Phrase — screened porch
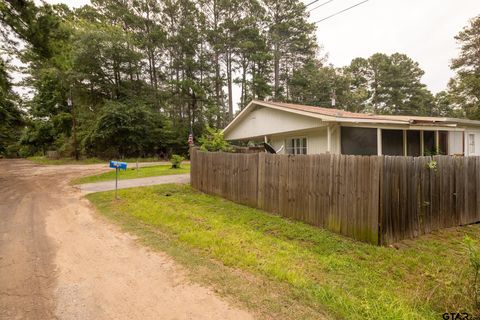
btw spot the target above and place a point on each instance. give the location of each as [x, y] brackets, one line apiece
[397, 142]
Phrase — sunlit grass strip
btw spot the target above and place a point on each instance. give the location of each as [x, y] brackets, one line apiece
[133, 173]
[349, 279]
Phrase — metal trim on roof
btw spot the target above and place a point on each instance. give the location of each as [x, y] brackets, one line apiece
[343, 116]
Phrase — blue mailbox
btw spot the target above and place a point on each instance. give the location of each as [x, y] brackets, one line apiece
[118, 165]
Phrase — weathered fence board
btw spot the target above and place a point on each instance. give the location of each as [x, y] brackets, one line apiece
[379, 200]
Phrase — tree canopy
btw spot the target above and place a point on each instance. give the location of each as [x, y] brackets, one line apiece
[464, 88]
[135, 78]
[11, 119]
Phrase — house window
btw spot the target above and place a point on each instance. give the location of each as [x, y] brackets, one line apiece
[296, 146]
[471, 143]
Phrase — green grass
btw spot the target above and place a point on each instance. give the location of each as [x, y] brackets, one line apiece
[288, 270]
[132, 173]
[46, 161]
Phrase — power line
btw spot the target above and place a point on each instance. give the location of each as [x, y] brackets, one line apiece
[311, 3]
[341, 11]
[320, 5]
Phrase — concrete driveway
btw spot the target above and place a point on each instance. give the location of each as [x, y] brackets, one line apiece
[132, 183]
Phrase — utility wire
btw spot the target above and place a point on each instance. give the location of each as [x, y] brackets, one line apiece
[320, 5]
[341, 11]
[315, 1]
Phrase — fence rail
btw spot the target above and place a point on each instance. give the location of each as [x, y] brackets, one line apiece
[375, 199]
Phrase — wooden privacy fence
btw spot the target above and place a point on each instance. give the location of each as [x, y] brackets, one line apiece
[376, 199]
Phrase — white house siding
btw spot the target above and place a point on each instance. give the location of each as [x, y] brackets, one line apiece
[316, 141]
[277, 142]
[455, 143]
[266, 121]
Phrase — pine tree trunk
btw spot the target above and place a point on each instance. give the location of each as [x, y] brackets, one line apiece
[150, 73]
[244, 82]
[254, 93]
[217, 89]
[229, 84]
[276, 72]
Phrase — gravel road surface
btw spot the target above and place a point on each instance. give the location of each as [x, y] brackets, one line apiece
[59, 260]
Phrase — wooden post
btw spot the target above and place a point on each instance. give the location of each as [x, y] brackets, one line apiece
[379, 141]
[329, 139]
[116, 183]
[261, 181]
[422, 144]
[437, 141]
[405, 145]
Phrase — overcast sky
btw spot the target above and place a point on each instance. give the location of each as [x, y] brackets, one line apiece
[422, 29]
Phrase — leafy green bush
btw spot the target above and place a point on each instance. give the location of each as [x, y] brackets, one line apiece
[12, 151]
[176, 161]
[473, 249]
[122, 130]
[213, 140]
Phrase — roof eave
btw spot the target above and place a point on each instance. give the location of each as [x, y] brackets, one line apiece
[444, 121]
[238, 117]
[246, 110]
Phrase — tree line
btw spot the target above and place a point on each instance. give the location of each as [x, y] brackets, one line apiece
[135, 77]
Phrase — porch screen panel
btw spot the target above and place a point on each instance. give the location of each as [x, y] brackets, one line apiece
[358, 141]
[429, 143]
[392, 142]
[443, 142]
[455, 143]
[413, 143]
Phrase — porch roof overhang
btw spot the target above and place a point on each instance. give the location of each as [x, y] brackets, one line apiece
[342, 117]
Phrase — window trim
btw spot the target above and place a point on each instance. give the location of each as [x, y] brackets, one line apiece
[471, 143]
[295, 150]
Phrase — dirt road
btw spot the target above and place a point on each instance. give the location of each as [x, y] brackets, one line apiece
[58, 260]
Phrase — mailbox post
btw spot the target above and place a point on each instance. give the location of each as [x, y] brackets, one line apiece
[118, 166]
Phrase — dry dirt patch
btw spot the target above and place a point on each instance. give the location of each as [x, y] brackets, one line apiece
[60, 260]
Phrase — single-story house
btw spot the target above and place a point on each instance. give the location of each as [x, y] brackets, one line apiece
[300, 129]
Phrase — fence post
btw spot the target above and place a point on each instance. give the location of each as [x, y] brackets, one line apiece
[191, 150]
[261, 181]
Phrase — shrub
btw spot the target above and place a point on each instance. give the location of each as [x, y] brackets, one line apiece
[213, 141]
[176, 161]
[12, 151]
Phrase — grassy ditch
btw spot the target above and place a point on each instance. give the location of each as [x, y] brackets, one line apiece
[288, 270]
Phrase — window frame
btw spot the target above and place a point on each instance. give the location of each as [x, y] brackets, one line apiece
[471, 143]
[293, 148]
